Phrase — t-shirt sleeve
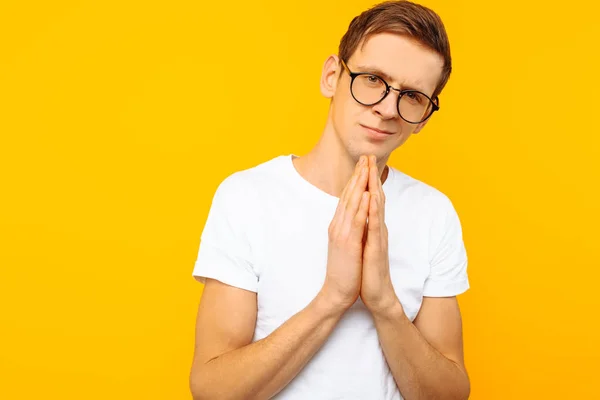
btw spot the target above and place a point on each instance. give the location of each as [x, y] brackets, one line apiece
[448, 257]
[225, 252]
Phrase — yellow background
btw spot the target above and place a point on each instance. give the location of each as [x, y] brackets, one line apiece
[119, 119]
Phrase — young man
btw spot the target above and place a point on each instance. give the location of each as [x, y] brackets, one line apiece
[332, 275]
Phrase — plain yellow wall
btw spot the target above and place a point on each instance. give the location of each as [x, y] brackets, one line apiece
[119, 119]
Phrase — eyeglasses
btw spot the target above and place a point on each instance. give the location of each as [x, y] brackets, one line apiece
[368, 89]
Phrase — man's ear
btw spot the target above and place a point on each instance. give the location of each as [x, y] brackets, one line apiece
[330, 76]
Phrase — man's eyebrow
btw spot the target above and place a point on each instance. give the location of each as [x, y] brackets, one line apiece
[376, 71]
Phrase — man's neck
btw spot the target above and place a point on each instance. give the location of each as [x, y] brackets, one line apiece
[329, 167]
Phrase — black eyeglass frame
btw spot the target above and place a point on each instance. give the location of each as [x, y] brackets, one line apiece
[434, 106]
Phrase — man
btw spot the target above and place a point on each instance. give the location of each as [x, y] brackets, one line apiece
[332, 275]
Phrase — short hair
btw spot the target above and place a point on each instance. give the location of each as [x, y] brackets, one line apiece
[404, 18]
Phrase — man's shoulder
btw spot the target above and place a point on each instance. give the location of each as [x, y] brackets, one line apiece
[417, 190]
[246, 183]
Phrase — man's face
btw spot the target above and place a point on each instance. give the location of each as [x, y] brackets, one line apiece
[403, 64]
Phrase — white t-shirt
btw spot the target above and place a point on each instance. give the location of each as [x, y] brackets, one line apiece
[267, 232]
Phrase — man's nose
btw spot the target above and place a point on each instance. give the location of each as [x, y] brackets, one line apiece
[388, 107]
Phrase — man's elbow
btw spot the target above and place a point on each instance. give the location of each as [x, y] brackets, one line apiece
[464, 390]
[195, 388]
[462, 383]
[196, 385]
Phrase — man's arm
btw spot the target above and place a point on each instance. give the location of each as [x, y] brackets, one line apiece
[227, 365]
[426, 358]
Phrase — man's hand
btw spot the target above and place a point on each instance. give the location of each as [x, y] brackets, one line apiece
[346, 231]
[377, 291]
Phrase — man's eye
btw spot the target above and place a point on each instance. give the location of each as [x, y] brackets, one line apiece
[414, 97]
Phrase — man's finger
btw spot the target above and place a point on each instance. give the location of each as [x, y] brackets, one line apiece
[361, 217]
[351, 183]
[341, 208]
[374, 217]
[373, 185]
[354, 197]
[382, 198]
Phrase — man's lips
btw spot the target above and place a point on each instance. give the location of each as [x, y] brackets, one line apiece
[381, 131]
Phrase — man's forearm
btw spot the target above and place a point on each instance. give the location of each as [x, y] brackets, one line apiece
[420, 371]
[263, 368]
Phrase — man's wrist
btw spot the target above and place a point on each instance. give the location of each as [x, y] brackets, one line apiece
[388, 308]
[331, 305]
